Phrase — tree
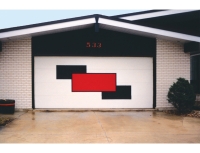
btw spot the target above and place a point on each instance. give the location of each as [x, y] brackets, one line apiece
[181, 95]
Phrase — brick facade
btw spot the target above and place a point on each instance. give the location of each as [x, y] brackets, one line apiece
[171, 64]
[15, 72]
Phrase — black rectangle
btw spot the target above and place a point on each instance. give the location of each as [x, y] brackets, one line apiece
[122, 92]
[66, 71]
[192, 47]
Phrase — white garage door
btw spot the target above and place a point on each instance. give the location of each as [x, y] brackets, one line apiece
[93, 82]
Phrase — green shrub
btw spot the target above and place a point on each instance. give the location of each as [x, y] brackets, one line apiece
[181, 95]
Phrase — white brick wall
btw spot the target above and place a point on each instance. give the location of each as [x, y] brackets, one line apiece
[15, 72]
[172, 63]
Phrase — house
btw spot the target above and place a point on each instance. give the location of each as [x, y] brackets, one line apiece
[100, 62]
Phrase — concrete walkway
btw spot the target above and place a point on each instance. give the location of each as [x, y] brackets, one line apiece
[101, 127]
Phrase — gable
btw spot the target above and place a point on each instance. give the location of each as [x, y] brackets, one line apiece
[87, 42]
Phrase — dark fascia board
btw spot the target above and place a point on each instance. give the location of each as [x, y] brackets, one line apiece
[137, 13]
[191, 47]
[47, 23]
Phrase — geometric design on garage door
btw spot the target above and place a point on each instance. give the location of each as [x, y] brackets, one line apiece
[93, 82]
[122, 92]
[66, 71]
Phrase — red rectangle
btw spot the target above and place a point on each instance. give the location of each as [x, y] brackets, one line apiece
[93, 82]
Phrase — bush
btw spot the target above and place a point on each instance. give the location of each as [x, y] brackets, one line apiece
[181, 95]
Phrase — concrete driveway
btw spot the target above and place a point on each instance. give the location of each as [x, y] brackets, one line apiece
[100, 127]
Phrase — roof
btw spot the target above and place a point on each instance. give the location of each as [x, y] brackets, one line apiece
[116, 23]
[151, 14]
[46, 23]
[136, 13]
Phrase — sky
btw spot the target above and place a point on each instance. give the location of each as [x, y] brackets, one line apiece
[22, 12]
[14, 18]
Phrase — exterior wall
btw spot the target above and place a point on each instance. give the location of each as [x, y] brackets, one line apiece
[15, 72]
[172, 63]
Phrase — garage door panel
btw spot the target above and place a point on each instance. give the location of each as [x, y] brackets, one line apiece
[51, 88]
[113, 63]
[65, 102]
[117, 63]
[129, 75]
[79, 100]
[135, 75]
[44, 62]
[141, 89]
[45, 75]
[136, 72]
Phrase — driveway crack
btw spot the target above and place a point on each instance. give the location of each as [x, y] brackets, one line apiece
[99, 122]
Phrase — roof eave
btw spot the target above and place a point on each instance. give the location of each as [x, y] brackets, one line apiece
[47, 29]
[153, 14]
[145, 31]
[104, 22]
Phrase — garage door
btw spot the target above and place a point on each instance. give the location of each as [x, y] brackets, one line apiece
[93, 82]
